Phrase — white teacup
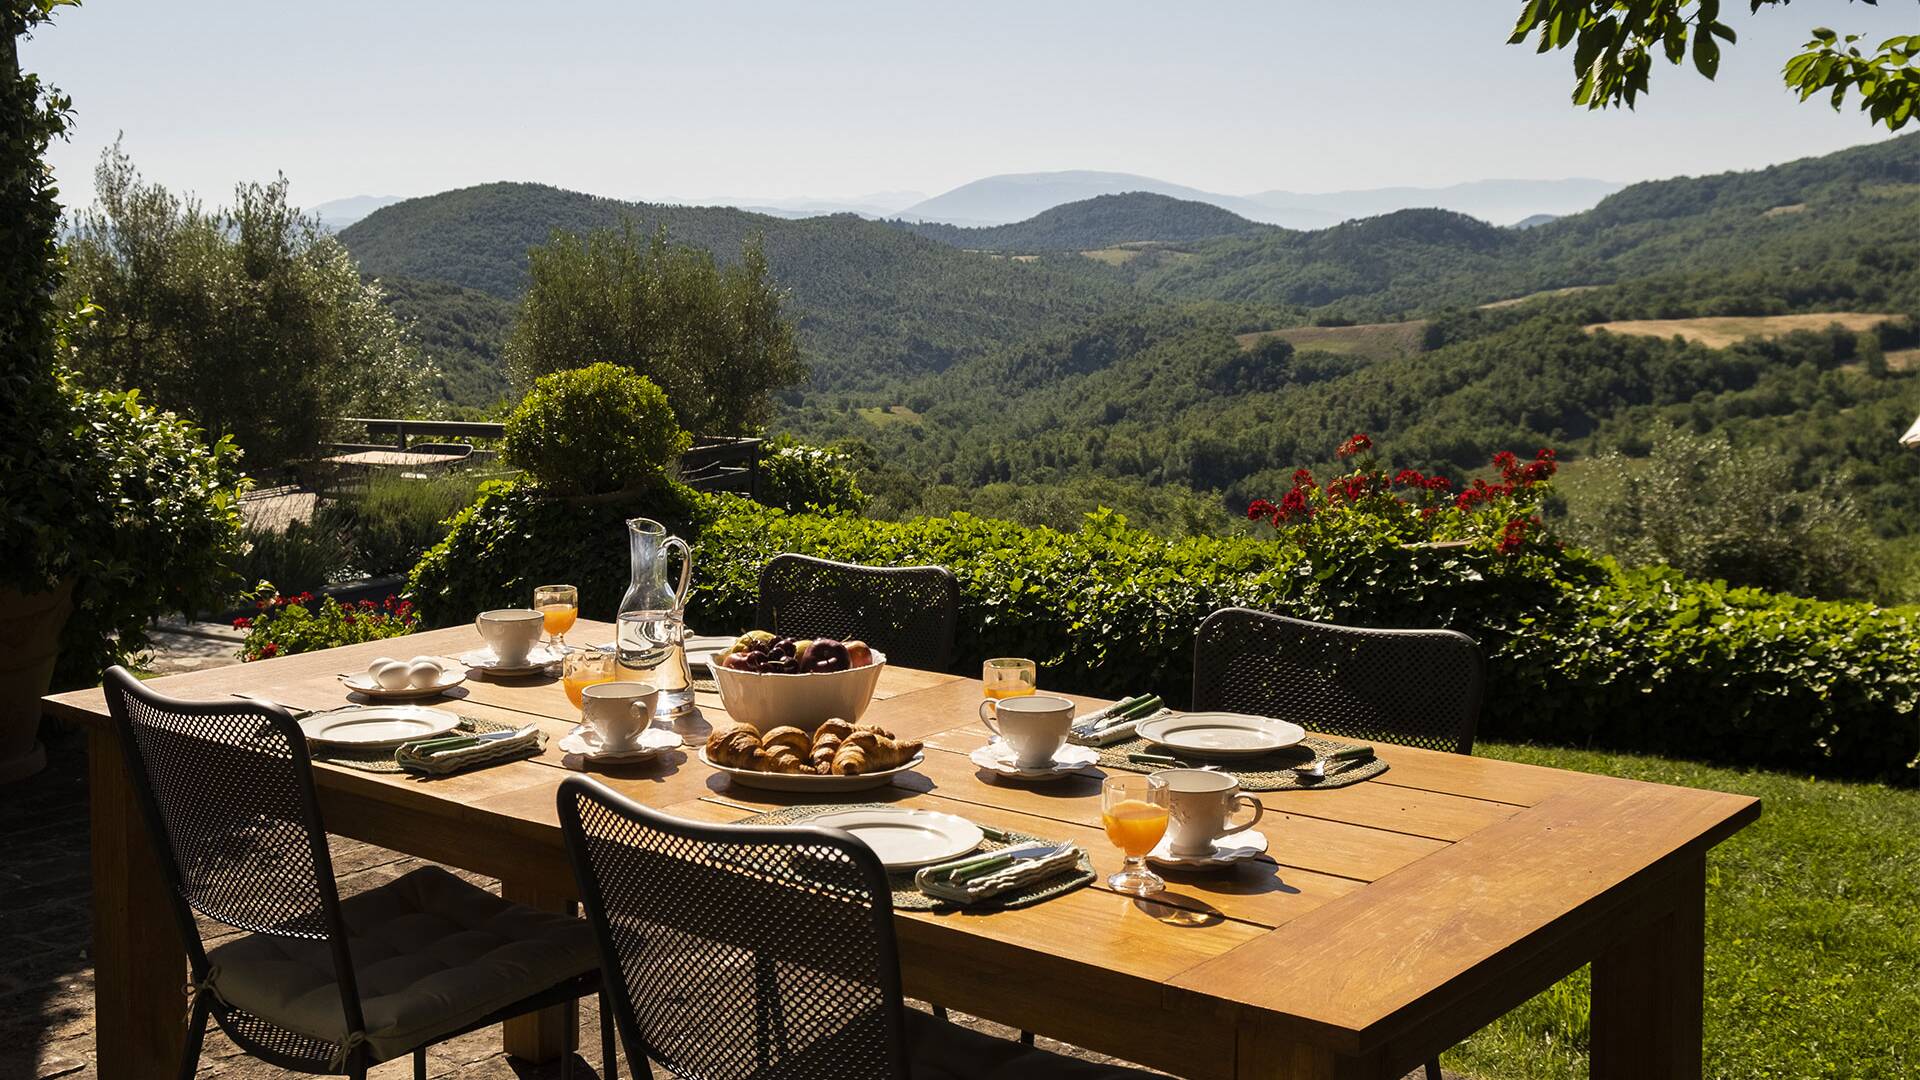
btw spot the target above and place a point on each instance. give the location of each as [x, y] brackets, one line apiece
[1200, 806]
[1035, 726]
[618, 711]
[511, 633]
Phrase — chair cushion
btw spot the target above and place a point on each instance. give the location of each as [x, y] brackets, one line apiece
[942, 1051]
[431, 955]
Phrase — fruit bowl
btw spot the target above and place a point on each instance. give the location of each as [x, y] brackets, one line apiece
[766, 699]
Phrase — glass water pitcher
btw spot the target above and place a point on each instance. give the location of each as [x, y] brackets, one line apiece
[652, 621]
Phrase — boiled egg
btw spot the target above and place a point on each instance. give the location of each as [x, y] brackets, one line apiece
[423, 673]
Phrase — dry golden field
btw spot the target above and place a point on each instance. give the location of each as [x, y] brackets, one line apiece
[1721, 331]
[1377, 341]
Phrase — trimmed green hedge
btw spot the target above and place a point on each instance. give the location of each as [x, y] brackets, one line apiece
[516, 537]
[1579, 651]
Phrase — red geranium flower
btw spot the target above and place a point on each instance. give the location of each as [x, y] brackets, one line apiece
[269, 649]
[242, 623]
[1355, 444]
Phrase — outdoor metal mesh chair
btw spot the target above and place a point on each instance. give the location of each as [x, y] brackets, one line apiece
[1413, 687]
[314, 983]
[907, 612]
[762, 952]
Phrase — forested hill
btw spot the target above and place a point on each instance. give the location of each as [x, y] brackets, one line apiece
[877, 304]
[869, 300]
[1773, 230]
[1104, 221]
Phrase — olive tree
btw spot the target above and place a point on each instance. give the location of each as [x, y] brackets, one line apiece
[712, 336]
[251, 320]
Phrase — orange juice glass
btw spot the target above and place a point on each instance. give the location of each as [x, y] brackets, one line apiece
[1134, 810]
[561, 606]
[1009, 676]
[586, 667]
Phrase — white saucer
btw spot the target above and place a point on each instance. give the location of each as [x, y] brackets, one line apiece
[539, 659]
[585, 743]
[998, 757]
[1227, 850]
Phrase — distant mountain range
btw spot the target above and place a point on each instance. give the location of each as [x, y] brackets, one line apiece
[1002, 200]
[878, 302]
[337, 214]
[1015, 197]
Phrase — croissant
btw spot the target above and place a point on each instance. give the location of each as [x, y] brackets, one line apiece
[875, 728]
[791, 737]
[733, 747]
[835, 727]
[781, 759]
[825, 745]
[867, 751]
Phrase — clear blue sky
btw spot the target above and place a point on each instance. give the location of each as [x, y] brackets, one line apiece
[823, 98]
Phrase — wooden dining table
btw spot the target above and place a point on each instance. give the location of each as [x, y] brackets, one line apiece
[1388, 919]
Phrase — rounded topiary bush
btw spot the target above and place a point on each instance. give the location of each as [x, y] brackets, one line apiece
[593, 431]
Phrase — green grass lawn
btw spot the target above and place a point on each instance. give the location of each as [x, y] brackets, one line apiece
[1813, 935]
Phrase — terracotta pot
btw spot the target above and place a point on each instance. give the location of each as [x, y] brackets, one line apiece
[30, 628]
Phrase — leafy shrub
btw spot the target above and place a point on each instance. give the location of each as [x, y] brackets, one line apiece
[391, 520]
[592, 431]
[794, 476]
[157, 530]
[1578, 649]
[1703, 507]
[302, 556]
[286, 625]
[517, 536]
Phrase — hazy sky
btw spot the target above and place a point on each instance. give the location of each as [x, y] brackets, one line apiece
[711, 99]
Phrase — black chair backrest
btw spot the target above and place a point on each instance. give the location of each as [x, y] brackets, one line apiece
[1414, 687]
[907, 612]
[741, 951]
[226, 789]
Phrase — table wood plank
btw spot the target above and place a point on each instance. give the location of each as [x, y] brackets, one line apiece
[1493, 918]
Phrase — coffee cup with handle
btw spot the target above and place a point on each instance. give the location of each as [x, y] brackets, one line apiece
[1035, 726]
[511, 633]
[618, 711]
[1200, 808]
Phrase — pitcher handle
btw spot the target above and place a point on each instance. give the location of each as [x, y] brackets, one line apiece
[686, 569]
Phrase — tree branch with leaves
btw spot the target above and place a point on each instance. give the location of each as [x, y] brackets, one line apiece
[1614, 43]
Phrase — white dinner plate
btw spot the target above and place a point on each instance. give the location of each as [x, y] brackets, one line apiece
[452, 674]
[906, 839]
[769, 781]
[1221, 734]
[370, 727]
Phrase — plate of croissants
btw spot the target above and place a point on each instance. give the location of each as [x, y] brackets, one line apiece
[838, 756]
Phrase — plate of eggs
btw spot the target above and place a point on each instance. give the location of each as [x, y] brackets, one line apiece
[387, 679]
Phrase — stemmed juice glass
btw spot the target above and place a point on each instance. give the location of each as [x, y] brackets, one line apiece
[1134, 810]
[561, 606]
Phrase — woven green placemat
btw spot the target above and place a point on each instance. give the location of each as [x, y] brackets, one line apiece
[907, 897]
[382, 760]
[1268, 772]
